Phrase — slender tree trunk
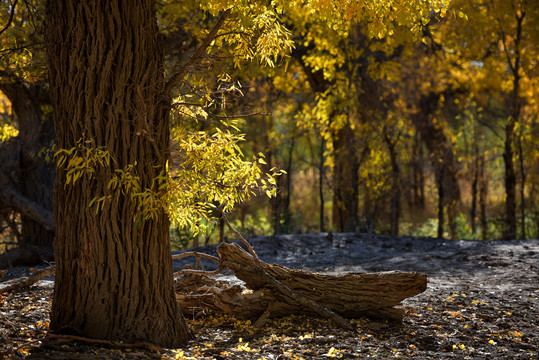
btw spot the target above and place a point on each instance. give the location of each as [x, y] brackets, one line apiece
[522, 187]
[483, 188]
[395, 202]
[510, 183]
[346, 180]
[276, 209]
[440, 183]
[510, 231]
[321, 183]
[475, 179]
[113, 276]
[288, 185]
[421, 178]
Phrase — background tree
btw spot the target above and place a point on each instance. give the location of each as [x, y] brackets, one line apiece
[25, 174]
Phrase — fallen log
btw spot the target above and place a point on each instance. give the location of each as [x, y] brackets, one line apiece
[25, 282]
[349, 295]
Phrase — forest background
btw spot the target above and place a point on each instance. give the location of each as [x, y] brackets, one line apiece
[379, 127]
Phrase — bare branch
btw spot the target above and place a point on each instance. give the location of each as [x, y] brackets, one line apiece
[11, 15]
[242, 239]
[197, 254]
[199, 272]
[237, 116]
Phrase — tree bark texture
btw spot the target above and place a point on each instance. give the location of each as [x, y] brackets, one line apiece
[349, 295]
[114, 276]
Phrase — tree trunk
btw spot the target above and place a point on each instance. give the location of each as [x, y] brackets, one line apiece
[287, 214]
[35, 176]
[395, 201]
[522, 187]
[483, 188]
[475, 179]
[114, 276]
[346, 180]
[510, 232]
[321, 182]
[440, 185]
[441, 154]
[419, 176]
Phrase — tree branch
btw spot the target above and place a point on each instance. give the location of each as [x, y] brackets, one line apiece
[179, 74]
[11, 15]
[242, 239]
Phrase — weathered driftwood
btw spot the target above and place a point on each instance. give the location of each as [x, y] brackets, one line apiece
[349, 295]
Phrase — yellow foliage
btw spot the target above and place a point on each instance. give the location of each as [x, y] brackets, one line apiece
[7, 131]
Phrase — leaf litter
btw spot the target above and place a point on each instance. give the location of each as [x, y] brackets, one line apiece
[481, 303]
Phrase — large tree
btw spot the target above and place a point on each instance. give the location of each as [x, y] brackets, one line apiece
[114, 275]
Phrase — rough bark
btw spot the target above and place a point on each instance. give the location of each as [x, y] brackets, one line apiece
[349, 295]
[113, 277]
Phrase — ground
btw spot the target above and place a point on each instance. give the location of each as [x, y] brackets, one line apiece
[481, 303]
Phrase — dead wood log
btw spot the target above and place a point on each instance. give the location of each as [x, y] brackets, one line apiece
[349, 295]
[26, 282]
[10, 196]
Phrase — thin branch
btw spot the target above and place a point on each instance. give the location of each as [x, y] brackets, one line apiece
[199, 272]
[11, 15]
[242, 239]
[221, 116]
[180, 74]
[188, 104]
[237, 116]
[26, 46]
[197, 254]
